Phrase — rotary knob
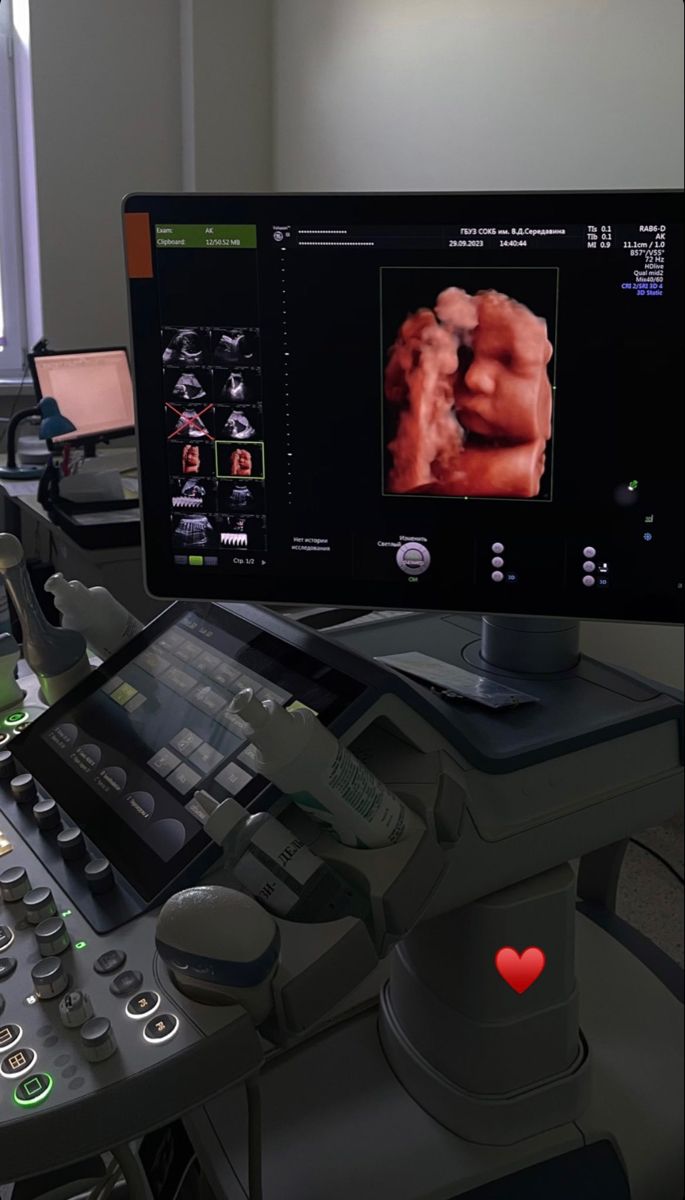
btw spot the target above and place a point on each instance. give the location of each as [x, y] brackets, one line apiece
[46, 814]
[7, 764]
[24, 788]
[71, 844]
[14, 884]
[49, 978]
[52, 937]
[97, 1039]
[75, 1009]
[39, 904]
[99, 875]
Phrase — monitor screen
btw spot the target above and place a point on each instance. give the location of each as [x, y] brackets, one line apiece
[464, 402]
[93, 389]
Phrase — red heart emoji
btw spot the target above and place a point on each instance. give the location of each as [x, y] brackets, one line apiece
[520, 970]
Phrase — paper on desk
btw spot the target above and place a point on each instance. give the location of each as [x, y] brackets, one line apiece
[112, 517]
[453, 681]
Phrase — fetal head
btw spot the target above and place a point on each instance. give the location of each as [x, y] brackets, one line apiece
[502, 389]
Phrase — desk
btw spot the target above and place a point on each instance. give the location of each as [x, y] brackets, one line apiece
[119, 570]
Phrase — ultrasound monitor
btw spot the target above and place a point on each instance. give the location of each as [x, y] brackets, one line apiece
[93, 389]
[450, 401]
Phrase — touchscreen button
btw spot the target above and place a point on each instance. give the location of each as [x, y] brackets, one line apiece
[206, 757]
[233, 778]
[163, 762]
[185, 742]
[183, 779]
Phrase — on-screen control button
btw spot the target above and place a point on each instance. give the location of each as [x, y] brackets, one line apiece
[413, 558]
[142, 1005]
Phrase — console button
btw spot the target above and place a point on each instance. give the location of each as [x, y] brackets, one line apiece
[52, 936]
[46, 814]
[99, 875]
[126, 984]
[49, 978]
[7, 767]
[32, 1090]
[142, 1005]
[14, 883]
[161, 1028]
[75, 1009]
[6, 936]
[71, 844]
[109, 962]
[7, 967]
[24, 788]
[9, 1036]
[17, 1062]
[2, 1005]
[97, 1039]
[39, 904]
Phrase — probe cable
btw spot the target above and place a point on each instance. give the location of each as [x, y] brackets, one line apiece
[655, 854]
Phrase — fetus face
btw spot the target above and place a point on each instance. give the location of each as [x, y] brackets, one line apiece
[504, 392]
[472, 381]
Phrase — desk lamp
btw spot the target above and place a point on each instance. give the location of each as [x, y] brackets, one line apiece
[52, 424]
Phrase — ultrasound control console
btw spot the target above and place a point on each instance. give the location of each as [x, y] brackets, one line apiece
[97, 829]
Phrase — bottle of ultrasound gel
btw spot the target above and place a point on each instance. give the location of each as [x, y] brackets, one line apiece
[307, 762]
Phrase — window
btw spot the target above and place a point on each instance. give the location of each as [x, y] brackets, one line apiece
[12, 306]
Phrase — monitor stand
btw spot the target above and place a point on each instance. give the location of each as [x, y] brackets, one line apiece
[530, 645]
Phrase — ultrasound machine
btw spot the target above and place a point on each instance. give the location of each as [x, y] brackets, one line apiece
[467, 410]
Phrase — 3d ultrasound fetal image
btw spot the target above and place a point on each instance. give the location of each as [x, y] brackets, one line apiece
[467, 389]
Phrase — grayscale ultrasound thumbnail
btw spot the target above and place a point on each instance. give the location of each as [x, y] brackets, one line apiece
[234, 346]
[246, 532]
[242, 498]
[239, 422]
[187, 346]
[193, 494]
[187, 386]
[192, 423]
[241, 385]
[194, 531]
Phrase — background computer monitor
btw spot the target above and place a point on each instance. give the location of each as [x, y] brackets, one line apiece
[467, 402]
[93, 389]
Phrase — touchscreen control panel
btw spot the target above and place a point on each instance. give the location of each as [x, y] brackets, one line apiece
[111, 770]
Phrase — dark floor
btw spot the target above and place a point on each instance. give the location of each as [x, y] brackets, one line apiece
[649, 897]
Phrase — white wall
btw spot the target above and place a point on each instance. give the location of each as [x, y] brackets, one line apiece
[232, 95]
[107, 112]
[470, 94]
[117, 87]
